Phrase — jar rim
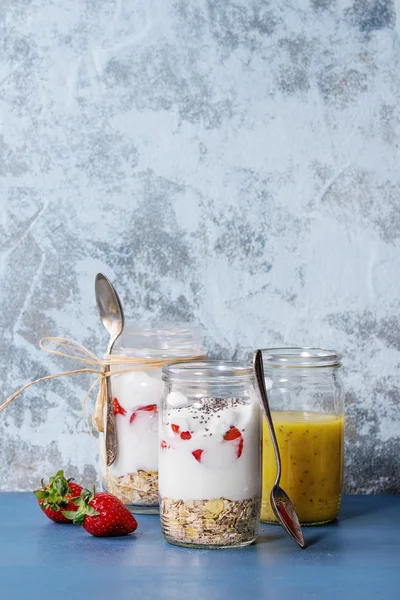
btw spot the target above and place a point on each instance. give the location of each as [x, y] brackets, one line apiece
[293, 357]
[199, 371]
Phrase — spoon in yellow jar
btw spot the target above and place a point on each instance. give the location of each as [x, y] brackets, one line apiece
[280, 501]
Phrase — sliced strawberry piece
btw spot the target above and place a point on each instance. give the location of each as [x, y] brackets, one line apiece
[197, 454]
[184, 435]
[232, 434]
[117, 408]
[164, 445]
[147, 408]
[240, 447]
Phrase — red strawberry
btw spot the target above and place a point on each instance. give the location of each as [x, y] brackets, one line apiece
[175, 428]
[164, 445]
[55, 497]
[148, 408]
[234, 434]
[117, 408]
[102, 514]
[197, 454]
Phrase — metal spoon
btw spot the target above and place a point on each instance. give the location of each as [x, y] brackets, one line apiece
[280, 502]
[112, 317]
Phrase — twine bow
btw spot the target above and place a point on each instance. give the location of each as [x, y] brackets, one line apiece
[72, 349]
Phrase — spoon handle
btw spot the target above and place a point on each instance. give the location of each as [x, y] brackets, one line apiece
[111, 428]
[259, 372]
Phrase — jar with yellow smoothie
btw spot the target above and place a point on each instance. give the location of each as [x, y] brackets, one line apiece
[307, 405]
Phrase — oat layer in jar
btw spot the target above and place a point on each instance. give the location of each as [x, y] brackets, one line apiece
[210, 455]
[133, 477]
[307, 404]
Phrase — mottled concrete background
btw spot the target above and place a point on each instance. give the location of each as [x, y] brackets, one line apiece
[234, 163]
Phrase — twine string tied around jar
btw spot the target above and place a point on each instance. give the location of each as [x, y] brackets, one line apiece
[69, 348]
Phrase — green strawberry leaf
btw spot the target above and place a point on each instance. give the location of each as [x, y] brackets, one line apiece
[71, 514]
[79, 519]
[91, 511]
[61, 486]
[54, 495]
[40, 494]
[87, 495]
[82, 502]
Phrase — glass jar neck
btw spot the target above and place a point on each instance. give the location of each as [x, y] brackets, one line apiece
[160, 341]
[209, 378]
[300, 374]
[213, 389]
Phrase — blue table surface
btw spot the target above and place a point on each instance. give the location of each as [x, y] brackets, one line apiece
[356, 557]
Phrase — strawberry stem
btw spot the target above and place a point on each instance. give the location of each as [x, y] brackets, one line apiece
[54, 494]
[84, 508]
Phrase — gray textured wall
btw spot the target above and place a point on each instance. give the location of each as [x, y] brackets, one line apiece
[231, 162]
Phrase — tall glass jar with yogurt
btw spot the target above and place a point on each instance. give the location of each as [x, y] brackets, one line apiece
[133, 477]
[210, 455]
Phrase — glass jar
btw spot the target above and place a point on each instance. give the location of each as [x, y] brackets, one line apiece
[210, 455]
[307, 405]
[133, 477]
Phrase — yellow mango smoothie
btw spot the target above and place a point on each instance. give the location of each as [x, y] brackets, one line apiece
[311, 447]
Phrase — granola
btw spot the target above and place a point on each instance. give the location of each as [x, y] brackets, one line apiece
[217, 522]
[135, 488]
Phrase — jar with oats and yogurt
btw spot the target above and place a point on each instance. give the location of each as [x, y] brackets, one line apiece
[210, 455]
[133, 477]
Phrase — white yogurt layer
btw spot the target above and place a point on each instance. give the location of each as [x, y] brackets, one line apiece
[138, 394]
[210, 449]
